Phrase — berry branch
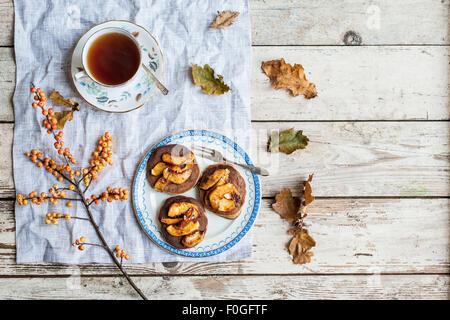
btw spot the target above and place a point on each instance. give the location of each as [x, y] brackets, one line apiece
[101, 158]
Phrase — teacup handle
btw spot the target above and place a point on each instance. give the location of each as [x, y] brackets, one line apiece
[80, 75]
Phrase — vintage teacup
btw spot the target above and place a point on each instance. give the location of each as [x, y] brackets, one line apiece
[111, 57]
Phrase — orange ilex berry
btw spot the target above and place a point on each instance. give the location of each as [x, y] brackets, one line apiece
[117, 248]
[127, 257]
[69, 204]
[33, 90]
[81, 248]
[83, 239]
[35, 105]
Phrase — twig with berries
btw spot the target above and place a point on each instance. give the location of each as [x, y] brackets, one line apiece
[75, 178]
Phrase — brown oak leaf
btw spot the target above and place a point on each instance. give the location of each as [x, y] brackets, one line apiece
[286, 205]
[294, 210]
[307, 192]
[62, 117]
[283, 75]
[300, 246]
[61, 101]
[224, 19]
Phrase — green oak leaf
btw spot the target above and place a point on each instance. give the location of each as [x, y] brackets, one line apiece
[287, 141]
[204, 78]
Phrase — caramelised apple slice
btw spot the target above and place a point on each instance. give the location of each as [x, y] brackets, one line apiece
[158, 169]
[220, 175]
[171, 220]
[179, 208]
[178, 160]
[224, 197]
[160, 184]
[180, 169]
[189, 228]
[193, 239]
[191, 214]
[177, 178]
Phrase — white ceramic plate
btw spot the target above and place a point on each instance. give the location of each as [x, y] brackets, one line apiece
[135, 93]
[222, 233]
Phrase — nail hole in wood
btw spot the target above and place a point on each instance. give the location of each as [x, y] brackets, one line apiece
[351, 38]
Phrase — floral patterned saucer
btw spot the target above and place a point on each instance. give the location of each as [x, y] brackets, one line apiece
[135, 93]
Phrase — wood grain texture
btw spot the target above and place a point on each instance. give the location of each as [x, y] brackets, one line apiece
[354, 83]
[6, 22]
[354, 159]
[325, 22]
[349, 159]
[7, 83]
[357, 83]
[231, 287]
[363, 236]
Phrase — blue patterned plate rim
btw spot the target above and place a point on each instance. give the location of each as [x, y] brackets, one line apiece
[168, 247]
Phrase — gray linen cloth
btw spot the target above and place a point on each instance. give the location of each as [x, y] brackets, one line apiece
[45, 34]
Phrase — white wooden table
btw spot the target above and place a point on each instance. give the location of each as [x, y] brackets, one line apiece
[379, 148]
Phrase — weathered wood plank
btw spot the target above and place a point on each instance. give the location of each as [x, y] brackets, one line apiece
[232, 287]
[360, 158]
[6, 174]
[353, 236]
[325, 22]
[6, 22]
[354, 83]
[349, 159]
[357, 83]
[7, 83]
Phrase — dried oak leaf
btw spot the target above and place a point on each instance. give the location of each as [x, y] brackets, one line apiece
[290, 77]
[60, 100]
[224, 19]
[300, 246]
[286, 205]
[204, 78]
[287, 141]
[62, 117]
[308, 192]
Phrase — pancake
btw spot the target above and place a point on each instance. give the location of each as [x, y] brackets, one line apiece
[163, 214]
[176, 150]
[236, 179]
